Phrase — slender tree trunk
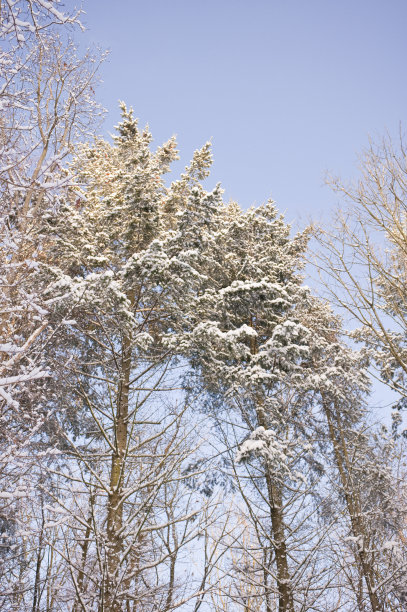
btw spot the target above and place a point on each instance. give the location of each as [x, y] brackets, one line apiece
[285, 594]
[352, 503]
[40, 554]
[85, 546]
[173, 558]
[115, 498]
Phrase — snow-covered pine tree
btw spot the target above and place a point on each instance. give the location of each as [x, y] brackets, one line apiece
[244, 338]
[121, 422]
[268, 354]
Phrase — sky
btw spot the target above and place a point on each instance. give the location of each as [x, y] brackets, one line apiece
[286, 90]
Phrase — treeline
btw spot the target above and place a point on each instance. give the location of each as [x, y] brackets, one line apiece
[184, 424]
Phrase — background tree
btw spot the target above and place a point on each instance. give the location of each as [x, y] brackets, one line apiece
[364, 258]
[39, 75]
[362, 264]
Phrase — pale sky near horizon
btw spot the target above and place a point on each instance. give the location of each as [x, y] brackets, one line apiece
[286, 90]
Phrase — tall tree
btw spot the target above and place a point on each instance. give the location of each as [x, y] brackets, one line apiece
[123, 415]
[247, 342]
[272, 356]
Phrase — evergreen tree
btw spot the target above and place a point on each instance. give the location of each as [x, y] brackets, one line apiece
[122, 426]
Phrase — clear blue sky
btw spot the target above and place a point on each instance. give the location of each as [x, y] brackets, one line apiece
[286, 89]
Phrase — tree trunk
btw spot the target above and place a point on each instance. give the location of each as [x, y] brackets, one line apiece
[352, 503]
[85, 547]
[40, 555]
[285, 595]
[114, 535]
